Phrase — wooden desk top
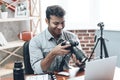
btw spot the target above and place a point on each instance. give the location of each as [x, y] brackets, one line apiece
[116, 75]
[6, 78]
[59, 77]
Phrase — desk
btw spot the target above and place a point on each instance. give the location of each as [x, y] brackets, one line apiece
[116, 76]
[59, 77]
[14, 44]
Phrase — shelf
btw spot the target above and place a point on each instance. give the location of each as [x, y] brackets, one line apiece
[12, 44]
[16, 19]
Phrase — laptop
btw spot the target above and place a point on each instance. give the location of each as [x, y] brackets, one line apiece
[101, 69]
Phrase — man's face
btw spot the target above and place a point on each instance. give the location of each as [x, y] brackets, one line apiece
[55, 25]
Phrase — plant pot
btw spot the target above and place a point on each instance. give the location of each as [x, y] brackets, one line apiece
[4, 15]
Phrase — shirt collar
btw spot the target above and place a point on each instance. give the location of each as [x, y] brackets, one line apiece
[62, 37]
[49, 36]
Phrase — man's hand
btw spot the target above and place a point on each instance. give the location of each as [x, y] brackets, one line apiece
[77, 62]
[60, 50]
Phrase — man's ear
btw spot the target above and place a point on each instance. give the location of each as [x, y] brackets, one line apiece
[46, 20]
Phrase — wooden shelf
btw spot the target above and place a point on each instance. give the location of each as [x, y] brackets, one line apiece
[16, 19]
[34, 21]
[12, 44]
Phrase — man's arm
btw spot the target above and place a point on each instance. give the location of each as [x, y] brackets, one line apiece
[58, 50]
[38, 62]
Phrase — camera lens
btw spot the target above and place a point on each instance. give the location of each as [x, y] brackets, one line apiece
[18, 71]
[18, 64]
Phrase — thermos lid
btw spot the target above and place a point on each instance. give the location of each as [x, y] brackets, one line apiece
[18, 64]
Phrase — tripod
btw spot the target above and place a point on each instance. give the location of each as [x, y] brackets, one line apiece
[102, 43]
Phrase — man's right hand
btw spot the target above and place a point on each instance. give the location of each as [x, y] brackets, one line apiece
[60, 50]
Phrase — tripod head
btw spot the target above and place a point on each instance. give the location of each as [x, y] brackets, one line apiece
[101, 25]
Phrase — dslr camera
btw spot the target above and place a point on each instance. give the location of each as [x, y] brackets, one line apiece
[75, 50]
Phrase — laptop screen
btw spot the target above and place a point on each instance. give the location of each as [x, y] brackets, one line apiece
[102, 69]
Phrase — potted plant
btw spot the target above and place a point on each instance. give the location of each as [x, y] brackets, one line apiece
[4, 13]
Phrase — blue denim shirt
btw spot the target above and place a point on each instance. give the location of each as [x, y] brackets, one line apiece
[42, 44]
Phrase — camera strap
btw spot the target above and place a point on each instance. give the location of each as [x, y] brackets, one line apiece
[63, 62]
[66, 36]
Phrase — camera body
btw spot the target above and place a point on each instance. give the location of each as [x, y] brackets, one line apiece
[75, 50]
[70, 42]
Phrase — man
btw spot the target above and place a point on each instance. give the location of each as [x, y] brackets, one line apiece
[46, 51]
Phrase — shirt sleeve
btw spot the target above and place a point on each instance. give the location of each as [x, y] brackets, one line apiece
[35, 56]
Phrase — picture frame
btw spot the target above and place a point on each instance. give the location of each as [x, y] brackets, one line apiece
[22, 9]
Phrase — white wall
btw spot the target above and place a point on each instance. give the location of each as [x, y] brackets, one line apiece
[86, 14]
[110, 13]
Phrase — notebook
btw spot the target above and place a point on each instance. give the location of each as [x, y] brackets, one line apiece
[101, 69]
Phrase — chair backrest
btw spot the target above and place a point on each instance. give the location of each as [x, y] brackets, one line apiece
[26, 57]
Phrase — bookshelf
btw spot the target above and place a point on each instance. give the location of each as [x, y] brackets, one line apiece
[34, 20]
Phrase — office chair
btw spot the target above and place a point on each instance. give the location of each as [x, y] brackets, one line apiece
[26, 57]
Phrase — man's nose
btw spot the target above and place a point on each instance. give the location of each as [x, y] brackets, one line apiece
[60, 26]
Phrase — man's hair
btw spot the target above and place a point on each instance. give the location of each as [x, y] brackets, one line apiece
[54, 10]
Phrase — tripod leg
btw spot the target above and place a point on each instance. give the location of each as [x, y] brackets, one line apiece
[101, 47]
[105, 49]
[93, 49]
